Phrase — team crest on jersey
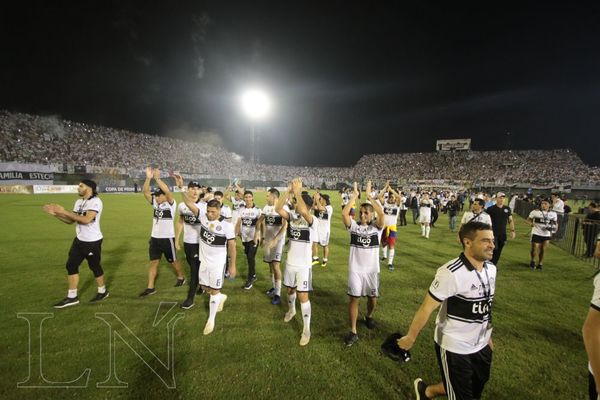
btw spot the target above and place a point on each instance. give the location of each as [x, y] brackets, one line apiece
[218, 228]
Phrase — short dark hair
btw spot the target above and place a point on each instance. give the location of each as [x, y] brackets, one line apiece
[470, 229]
[481, 202]
[218, 193]
[213, 203]
[326, 198]
[368, 206]
[274, 191]
[249, 192]
[307, 199]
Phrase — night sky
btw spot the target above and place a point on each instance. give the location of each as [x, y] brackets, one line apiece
[346, 78]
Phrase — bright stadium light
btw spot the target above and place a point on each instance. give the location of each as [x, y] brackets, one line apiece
[256, 104]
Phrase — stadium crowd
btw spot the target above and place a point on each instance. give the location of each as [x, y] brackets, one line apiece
[37, 139]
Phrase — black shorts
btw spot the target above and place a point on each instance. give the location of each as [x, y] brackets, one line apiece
[539, 239]
[90, 251]
[464, 375]
[158, 247]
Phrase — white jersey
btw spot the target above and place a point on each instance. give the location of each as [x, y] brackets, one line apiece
[463, 323]
[403, 203]
[225, 211]
[470, 216]
[425, 208]
[544, 222]
[88, 232]
[301, 236]
[191, 223]
[249, 217]
[559, 206]
[364, 248]
[324, 218]
[390, 211]
[273, 222]
[163, 228]
[345, 199]
[214, 236]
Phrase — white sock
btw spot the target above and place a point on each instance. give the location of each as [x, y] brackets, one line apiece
[385, 252]
[422, 230]
[324, 261]
[305, 307]
[391, 257]
[427, 229]
[292, 302]
[101, 289]
[316, 258]
[277, 287]
[72, 293]
[213, 306]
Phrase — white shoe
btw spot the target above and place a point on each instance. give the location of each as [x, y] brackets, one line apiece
[288, 316]
[223, 299]
[209, 327]
[305, 338]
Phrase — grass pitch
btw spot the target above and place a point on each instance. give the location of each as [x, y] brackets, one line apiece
[252, 353]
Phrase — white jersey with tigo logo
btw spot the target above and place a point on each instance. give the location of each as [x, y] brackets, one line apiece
[191, 223]
[390, 214]
[463, 323]
[249, 217]
[364, 248]
[162, 227]
[324, 218]
[213, 242]
[470, 216]
[301, 236]
[235, 206]
[403, 203]
[544, 222]
[88, 232]
[273, 222]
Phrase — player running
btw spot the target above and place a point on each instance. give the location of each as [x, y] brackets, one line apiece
[363, 261]
[298, 269]
[272, 228]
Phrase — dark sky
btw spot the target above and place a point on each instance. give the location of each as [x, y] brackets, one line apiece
[346, 78]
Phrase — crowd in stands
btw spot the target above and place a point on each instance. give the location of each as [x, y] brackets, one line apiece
[37, 139]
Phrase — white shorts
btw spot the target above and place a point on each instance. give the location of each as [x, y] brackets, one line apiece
[425, 218]
[299, 278]
[211, 277]
[363, 284]
[323, 237]
[275, 253]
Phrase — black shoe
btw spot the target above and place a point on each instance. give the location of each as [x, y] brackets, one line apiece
[67, 302]
[270, 292]
[383, 258]
[249, 283]
[99, 297]
[539, 267]
[391, 267]
[276, 300]
[179, 282]
[370, 322]
[187, 304]
[532, 265]
[147, 292]
[420, 387]
[350, 339]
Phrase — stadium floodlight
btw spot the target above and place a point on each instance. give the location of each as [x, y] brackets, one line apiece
[256, 104]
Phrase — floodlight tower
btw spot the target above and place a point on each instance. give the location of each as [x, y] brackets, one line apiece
[257, 107]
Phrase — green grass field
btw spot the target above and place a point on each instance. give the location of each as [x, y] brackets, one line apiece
[252, 353]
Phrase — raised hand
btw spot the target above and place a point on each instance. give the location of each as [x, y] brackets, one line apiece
[156, 174]
[297, 185]
[178, 180]
[149, 174]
